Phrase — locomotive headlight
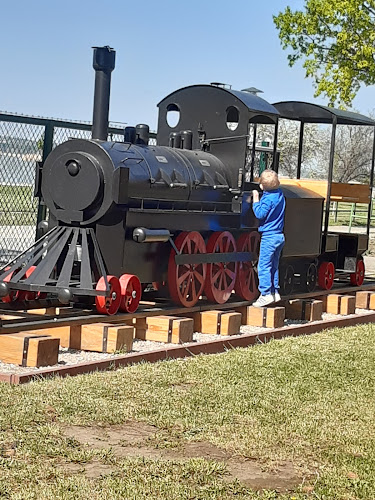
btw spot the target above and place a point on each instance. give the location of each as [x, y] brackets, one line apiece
[73, 167]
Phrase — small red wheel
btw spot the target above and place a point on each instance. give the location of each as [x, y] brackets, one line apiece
[358, 277]
[221, 276]
[131, 292]
[326, 275]
[108, 305]
[186, 281]
[246, 285]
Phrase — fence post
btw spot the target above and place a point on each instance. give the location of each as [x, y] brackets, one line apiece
[47, 148]
[336, 205]
[352, 215]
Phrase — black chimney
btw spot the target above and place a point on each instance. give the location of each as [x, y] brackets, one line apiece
[142, 134]
[103, 64]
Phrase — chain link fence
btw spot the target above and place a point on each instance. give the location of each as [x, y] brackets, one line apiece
[24, 141]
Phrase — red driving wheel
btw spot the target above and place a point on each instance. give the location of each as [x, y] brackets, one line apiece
[221, 276]
[326, 275]
[358, 277]
[108, 305]
[131, 292]
[186, 281]
[246, 285]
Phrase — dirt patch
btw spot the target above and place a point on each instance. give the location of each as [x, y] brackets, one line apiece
[183, 387]
[92, 470]
[130, 440]
[282, 477]
[106, 437]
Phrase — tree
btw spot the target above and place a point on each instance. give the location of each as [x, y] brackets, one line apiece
[315, 148]
[353, 154]
[314, 153]
[353, 150]
[336, 39]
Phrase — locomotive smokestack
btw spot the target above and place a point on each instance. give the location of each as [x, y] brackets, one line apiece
[103, 64]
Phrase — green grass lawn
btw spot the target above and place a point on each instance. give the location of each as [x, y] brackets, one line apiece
[17, 206]
[307, 401]
[343, 215]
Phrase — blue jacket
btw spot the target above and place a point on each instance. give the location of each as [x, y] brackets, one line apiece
[270, 211]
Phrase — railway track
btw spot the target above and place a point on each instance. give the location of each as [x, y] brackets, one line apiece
[70, 316]
[16, 321]
[191, 349]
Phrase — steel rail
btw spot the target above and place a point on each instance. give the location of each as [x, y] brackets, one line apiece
[81, 316]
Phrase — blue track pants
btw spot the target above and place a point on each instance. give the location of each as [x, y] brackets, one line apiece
[268, 266]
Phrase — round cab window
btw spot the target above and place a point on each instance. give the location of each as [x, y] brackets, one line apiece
[233, 117]
[173, 115]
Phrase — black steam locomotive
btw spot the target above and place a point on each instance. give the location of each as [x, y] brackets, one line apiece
[123, 215]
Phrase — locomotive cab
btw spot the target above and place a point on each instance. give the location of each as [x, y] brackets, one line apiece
[218, 119]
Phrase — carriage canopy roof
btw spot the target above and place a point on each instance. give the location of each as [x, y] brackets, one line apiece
[316, 113]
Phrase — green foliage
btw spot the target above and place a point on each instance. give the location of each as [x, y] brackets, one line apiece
[337, 42]
[40, 144]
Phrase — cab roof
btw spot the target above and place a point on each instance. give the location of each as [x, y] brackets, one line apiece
[251, 101]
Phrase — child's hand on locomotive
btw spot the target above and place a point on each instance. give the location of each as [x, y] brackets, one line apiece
[254, 197]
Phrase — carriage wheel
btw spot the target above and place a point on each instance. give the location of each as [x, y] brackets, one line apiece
[108, 305]
[186, 281]
[358, 277]
[221, 276]
[309, 277]
[286, 280]
[131, 292]
[246, 285]
[326, 275]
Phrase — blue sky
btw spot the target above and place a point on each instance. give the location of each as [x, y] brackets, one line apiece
[46, 56]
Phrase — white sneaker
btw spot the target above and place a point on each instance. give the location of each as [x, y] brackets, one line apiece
[263, 300]
[276, 297]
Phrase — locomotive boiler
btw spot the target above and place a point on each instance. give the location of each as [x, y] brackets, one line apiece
[123, 215]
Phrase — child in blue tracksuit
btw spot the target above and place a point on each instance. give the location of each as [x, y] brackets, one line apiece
[270, 211]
